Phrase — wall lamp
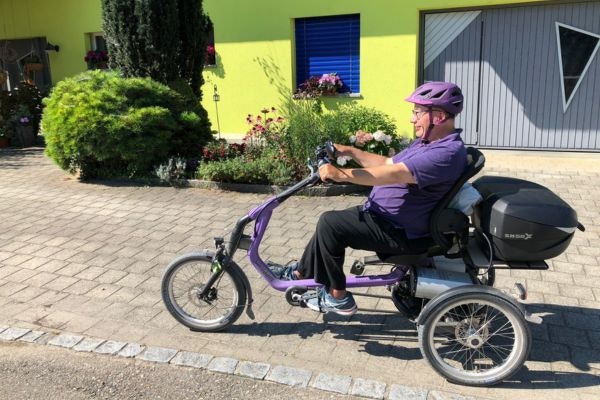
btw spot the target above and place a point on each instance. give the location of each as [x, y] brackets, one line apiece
[52, 47]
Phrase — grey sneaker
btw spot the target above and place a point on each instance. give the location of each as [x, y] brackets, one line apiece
[284, 272]
[322, 301]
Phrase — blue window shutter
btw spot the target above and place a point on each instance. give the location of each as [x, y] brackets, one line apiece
[329, 44]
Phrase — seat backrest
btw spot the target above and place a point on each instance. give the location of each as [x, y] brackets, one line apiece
[444, 219]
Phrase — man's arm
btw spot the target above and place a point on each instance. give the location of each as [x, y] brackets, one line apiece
[364, 158]
[385, 174]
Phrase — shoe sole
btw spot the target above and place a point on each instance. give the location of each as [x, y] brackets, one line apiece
[346, 313]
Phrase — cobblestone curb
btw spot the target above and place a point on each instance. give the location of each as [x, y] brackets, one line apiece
[260, 371]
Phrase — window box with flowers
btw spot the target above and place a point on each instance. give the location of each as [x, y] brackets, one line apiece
[326, 85]
[96, 59]
[210, 57]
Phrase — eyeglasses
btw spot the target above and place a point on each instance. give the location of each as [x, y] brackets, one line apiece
[419, 113]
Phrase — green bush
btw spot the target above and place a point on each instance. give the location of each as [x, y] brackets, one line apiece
[264, 170]
[350, 118]
[105, 126]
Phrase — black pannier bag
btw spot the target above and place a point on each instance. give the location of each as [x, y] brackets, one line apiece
[524, 221]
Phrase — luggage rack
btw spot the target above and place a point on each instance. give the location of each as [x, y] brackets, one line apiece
[480, 260]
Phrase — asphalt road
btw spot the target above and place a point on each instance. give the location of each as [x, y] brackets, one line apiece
[43, 372]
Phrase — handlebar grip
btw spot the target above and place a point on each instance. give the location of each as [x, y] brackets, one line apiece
[322, 162]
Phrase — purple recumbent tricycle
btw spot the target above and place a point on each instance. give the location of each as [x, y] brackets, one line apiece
[469, 332]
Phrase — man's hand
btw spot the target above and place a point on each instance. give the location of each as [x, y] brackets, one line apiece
[344, 150]
[328, 172]
[372, 176]
[364, 158]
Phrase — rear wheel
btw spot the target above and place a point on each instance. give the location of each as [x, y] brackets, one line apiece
[184, 280]
[476, 339]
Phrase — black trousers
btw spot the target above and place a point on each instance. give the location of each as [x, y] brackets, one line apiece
[323, 257]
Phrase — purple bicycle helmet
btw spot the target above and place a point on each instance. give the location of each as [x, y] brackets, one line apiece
[444, 95]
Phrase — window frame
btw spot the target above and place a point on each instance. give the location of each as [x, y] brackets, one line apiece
[353, 33]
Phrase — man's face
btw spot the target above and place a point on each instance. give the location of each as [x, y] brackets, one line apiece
[420, 119]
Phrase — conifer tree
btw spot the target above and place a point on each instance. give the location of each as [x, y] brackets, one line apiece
[163, 39]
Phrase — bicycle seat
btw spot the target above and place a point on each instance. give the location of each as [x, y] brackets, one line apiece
[449, 227]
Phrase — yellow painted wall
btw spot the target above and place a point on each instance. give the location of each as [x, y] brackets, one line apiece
[62, 22]
[254, 43]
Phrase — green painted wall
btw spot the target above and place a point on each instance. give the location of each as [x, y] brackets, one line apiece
[62, 22]
[254, 43]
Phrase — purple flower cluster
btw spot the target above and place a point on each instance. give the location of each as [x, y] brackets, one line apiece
[96, 56]
[317, 86]
[264, 125]
[24, 120]
[330, 80]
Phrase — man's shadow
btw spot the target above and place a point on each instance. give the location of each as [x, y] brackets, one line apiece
[567, 334]
[379, 333]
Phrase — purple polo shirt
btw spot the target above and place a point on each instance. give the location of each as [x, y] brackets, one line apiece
[435, 166]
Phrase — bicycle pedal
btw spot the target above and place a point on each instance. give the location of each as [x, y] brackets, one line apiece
[358, 268]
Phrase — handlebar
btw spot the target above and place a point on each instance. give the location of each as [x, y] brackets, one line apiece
[325, 154]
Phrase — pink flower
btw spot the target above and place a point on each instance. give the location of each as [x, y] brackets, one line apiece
[362, 138]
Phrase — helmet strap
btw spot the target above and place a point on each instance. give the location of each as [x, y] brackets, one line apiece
[425, 137]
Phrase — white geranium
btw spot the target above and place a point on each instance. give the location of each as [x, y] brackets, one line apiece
[342, 160]
[380, 136]
[353, 139]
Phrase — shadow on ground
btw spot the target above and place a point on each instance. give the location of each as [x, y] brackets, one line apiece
[384, 334]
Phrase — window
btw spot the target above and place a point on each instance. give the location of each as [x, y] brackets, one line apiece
[210, 58]
[329, 45]
[576, 50]
[97, 41]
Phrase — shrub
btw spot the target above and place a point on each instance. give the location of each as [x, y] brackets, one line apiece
[264, 170]
[220, 150]
[350, 118]
[104, 125]
[173, 170]
[26, 99]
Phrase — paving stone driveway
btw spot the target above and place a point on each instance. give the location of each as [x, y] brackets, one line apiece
[87, 259]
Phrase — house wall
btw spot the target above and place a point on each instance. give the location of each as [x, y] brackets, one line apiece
[255, 51]
[66, 23]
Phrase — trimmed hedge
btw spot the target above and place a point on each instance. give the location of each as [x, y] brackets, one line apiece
[104, 125]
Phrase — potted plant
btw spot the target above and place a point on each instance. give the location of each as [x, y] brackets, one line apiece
[330, 84]
[4, 138]
[96, 59]
[23, 122]
[318, 86]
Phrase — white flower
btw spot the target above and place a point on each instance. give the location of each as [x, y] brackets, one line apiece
[352, 139]
[342, 160]
[379, 136]
[388, 139]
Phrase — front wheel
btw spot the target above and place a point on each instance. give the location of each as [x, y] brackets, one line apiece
[476, 339]
[183, 281]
